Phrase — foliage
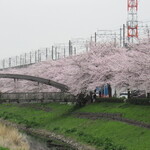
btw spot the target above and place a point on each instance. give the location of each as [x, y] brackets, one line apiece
[139, 101]
[82, 99]
[102, 64]
[111, 100]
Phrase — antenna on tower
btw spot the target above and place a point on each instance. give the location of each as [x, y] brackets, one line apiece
[132, 22]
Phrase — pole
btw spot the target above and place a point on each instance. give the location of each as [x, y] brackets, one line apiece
[38, 55]
[55, 53]
[16, 61]
[25, 58]
[9, 62]
[46, 54]
[87, 45]
[115, 41]
[20, 60]
[64, 52]
[30, 57]
[3, 63]
[120, 37]
[75, 51]
[148, 33]
[70, 48]
[52, 52]
[58, 55]
[95, 37]
[123, 35]
[35, 56]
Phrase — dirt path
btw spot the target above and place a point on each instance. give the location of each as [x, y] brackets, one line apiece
[111, 116]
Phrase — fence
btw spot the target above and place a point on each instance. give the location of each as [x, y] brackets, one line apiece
[37, 97]
[57, 51]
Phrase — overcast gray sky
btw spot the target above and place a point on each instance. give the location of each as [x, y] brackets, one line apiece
[27, 25]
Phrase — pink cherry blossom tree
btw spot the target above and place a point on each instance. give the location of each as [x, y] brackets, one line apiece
[123, 68]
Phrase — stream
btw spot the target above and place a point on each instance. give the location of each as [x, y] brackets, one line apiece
[28, 140]
[41, 143]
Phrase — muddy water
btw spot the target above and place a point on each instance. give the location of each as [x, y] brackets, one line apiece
[37, 144]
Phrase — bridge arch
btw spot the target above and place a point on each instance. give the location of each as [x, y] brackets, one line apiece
[60, 86]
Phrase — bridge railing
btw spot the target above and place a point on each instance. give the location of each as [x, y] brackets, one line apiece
[37, 97]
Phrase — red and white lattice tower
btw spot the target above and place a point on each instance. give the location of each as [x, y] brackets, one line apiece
[132, 23]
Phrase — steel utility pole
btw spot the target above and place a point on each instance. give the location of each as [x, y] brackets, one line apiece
[124, 36]
[132, 22]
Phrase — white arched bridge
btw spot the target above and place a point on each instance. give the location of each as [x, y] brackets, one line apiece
[60, 86]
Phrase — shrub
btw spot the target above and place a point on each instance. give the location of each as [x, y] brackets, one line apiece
[82, 99]
[111, 100]
[139, 101]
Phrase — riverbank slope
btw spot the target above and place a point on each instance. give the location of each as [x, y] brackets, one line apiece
[101, 132]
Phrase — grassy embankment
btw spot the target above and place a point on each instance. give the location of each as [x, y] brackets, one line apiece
[104, 134]
[1, 148]
[12, 139]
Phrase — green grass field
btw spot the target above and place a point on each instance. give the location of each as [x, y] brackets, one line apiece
[134, 112]
[103, 134]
